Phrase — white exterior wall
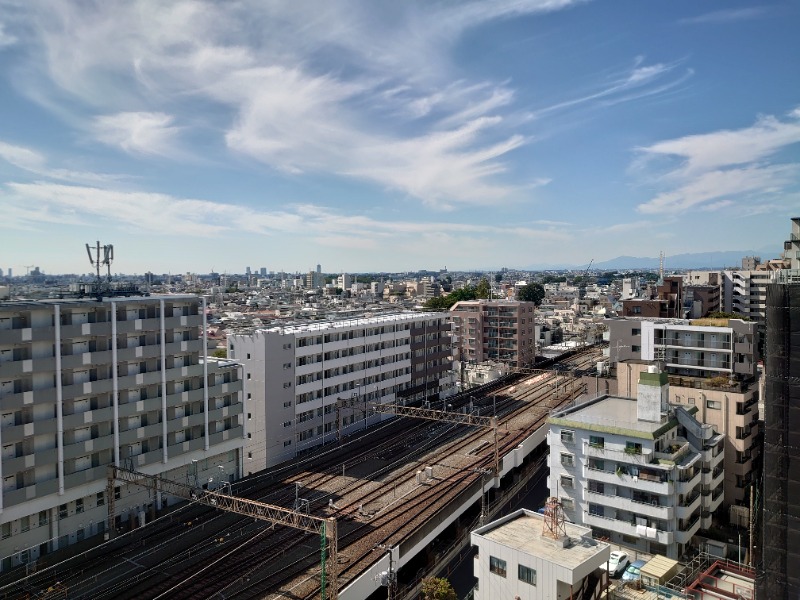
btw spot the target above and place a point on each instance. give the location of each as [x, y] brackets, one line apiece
[295, 376]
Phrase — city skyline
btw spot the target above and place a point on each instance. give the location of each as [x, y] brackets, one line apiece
[377, 137]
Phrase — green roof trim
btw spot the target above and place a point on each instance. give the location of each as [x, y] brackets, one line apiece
[632, 433]
[654, 379]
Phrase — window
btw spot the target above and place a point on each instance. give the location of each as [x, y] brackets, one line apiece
[250, 455]
[497, 566]
[101, 498]
[567, 437]
[636, 331]
[567, 503]
[79, 505]
[568, 460]
[596, 441]
[42, 518]
[25, 523]
[597, 464]
[596, 510]
[715, 404]
[248, 375]
[288, 384]
[287, 365]
[287, 404]
[526, 574]
[287, 443]
[633, 448]
[248, 356]
[567, 481]
[62, 511]
[635, 348]
[6, 530]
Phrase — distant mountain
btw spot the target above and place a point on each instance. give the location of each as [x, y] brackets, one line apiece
[694, 260]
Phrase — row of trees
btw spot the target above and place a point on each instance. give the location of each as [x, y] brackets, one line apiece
[533, 292]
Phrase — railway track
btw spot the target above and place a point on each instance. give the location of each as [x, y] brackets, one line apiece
[231, 557]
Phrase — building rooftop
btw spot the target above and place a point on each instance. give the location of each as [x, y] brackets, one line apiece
[522, 531]
[613, 414]
[293, 328]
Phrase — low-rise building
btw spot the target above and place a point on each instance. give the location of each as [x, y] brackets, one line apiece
[518, 557]
[639, 472]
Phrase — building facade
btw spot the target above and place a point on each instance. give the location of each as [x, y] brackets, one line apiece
[85, 384]
[713, 368]
[780, 543]
[638, 472]
[518, 558]
[497, 330]
[308, 384]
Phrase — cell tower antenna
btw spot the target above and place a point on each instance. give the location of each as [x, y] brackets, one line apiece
[96, 260]
[554, 523]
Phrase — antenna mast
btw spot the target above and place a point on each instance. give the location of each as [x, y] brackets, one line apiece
[97, 262]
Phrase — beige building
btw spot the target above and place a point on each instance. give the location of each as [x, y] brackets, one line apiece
[712, 366]
[499, 330]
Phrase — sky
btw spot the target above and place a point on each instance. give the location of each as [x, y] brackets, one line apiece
[378, 135]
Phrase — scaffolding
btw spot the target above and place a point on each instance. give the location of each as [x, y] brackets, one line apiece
[780, 533]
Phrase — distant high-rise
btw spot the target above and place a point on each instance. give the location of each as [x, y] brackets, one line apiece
[319, 268]
[10, 272]
[263, 271]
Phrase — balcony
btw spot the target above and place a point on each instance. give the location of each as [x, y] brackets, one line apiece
[687, 487]
[687, 531]
[618, 454]
[689, 506]
[644, 485]
[700, 363]
[630, 505]
[625, 528]
[692, 342]
[674, 452]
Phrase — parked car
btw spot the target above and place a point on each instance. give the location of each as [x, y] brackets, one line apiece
[616, 563]
[633, 572]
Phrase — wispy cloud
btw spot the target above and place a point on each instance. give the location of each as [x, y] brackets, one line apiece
[34, 162]
[138, 132]
[639, 81]
[726, 16]
[6, 39]
[153, 213]
[709, 170]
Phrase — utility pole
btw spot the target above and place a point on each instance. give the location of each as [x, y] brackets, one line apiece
[388, 578]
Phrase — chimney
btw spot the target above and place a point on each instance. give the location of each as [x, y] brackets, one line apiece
[652, 395]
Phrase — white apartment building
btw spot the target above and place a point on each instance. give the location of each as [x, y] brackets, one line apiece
[296, 376]
[638, 472]
[749, 293]
[517, 558]
[85, 384]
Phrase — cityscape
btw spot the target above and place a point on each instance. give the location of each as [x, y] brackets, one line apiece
[420, 301]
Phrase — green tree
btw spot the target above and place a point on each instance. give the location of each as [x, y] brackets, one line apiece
[446, 302]
[533, 292]
[437, 588]
[220, 353]
[498, 277]
[483, 289]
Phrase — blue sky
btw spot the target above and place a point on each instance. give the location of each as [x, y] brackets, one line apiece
[392, 136]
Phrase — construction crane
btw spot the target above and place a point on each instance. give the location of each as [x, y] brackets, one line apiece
[325, 527]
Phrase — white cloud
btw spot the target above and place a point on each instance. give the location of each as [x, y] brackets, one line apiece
[6, 39]
[162, 214]
[138, 132]
[34, 162]
[333, 88]
[725, 16]
[709, 171]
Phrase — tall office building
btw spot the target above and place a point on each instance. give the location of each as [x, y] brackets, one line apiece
[85, 384]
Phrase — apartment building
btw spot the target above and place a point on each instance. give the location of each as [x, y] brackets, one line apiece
[749, 294]
[639, 472]
[519, 557]
[85, 384]
[498, 330]
[308, 384]
[713, 366]
[666, 302]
